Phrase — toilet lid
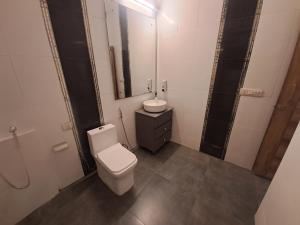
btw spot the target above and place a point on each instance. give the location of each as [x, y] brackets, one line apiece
[116, 158]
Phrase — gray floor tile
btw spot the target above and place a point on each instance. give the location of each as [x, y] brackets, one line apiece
[129, 219]
[142, 177]
[148, 160]
[208, 212]
[162, 203]
[184, 170]
[154, 161]
[176, 185]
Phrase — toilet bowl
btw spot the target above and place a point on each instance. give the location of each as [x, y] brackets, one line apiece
[115, 164]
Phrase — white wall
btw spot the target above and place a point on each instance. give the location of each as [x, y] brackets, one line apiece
[187, 41]
[31, 99]
[281, 203]
[188, 31]
[275, 40]
[110, 106]
[138, 7]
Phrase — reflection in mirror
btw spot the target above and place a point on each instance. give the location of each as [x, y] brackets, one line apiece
[132, 46]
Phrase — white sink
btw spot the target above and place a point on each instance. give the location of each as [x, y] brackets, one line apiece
[155, 105]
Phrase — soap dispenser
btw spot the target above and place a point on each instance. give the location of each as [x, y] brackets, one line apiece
[164, 86]
[149, 85]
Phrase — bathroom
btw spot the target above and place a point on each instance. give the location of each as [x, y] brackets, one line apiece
[64, 72]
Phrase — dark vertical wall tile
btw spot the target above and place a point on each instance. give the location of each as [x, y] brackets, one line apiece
[236, 36]
[237, 31]
[221, 106]
[215, 132]
[241, 8]
[77, 73]
[66, 5]
[71, 34]
[215, 138]
[228, 76]
[69, 31]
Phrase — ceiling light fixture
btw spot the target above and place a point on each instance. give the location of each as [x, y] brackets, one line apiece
[146, 4]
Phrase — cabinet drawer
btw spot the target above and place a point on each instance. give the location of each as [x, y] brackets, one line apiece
[163, 129]
[163, 119]
[153, 130]
[160, 141]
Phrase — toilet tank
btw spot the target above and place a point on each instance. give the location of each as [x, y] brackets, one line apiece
[101, 138]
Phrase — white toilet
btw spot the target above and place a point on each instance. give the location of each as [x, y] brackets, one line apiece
[115, 164]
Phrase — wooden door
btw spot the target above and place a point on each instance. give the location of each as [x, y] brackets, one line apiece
[283, 123]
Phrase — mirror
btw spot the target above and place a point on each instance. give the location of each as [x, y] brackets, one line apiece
[132, 47]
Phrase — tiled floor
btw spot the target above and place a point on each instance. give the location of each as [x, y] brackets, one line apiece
[175, 186]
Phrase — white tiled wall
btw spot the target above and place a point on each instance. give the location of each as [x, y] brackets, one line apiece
[111, 106]
[30, 98]
[273, 48]
[187, 41]
[188, 33]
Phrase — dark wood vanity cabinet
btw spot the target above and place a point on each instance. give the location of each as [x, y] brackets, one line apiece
[153, 130]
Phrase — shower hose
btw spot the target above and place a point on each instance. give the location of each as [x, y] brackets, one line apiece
[13, 131]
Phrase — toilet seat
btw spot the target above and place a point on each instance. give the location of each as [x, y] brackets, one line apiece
[116, 159]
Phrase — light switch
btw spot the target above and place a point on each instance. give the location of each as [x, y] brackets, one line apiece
[251, 92]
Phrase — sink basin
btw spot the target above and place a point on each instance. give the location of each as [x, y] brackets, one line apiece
[155, 105]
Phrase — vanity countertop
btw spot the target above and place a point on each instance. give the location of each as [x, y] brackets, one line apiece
[154, 115]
